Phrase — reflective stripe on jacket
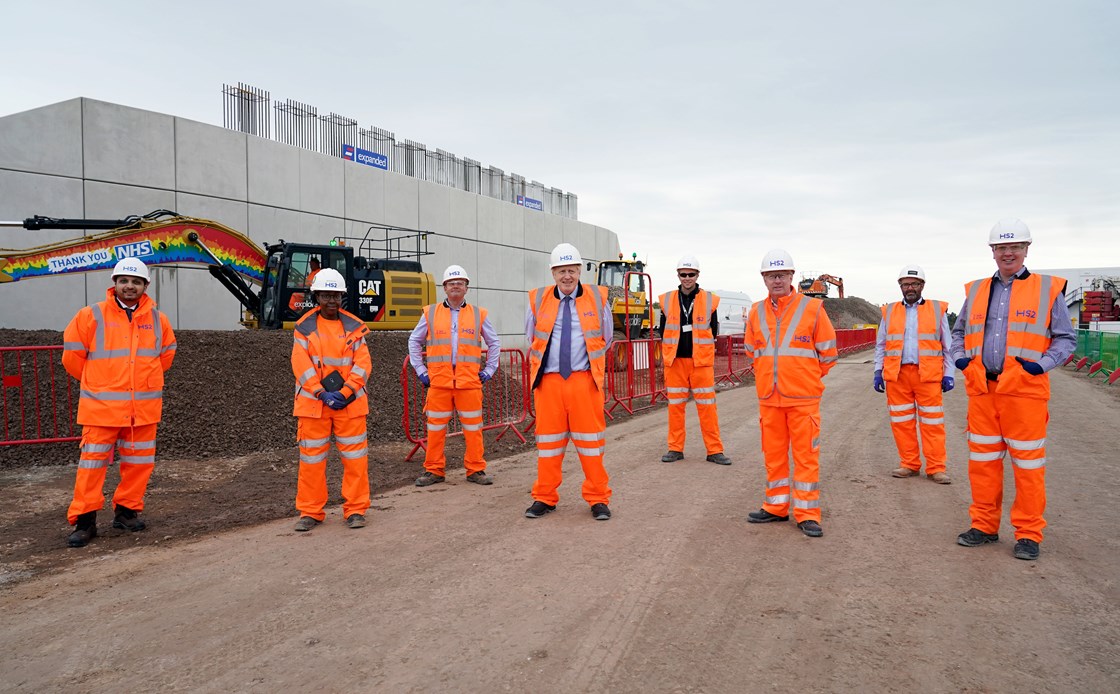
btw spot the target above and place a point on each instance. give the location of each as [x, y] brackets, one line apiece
[320, 346]
[931, 358]
[468, 359]
[793, 347]
[120, 363]
[703, 341]
[1028, 334]
[589, 306]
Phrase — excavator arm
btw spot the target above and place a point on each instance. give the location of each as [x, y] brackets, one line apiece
[159, 238]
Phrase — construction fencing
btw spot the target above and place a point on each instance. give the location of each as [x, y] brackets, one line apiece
[40, 400]
[1099, 346]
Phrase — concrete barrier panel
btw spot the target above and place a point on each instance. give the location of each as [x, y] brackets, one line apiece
[273, 170]
[464, 214]
[321, 183]
[434, 213]
[210, 160]
[128, 145]
[402, 207]
[365, 192]
[55, 135]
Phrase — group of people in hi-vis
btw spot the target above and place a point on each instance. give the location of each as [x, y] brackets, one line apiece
[1011, 330]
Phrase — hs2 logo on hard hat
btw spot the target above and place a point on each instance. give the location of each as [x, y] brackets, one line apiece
[567, 257]
[1007, 235]
[777, 263]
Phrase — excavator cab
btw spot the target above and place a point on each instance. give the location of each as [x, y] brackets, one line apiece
[286, 291]
[627, 291]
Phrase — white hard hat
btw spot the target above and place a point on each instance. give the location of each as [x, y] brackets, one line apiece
[776, 259]
[912, 271]
[328, 280]
[690, 262]
[455, 272]
[131, 267]
[566, 254]
[1010, 230]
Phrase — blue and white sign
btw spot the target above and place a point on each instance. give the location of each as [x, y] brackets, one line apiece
[364, 156]
[138, 249]
[530, 203]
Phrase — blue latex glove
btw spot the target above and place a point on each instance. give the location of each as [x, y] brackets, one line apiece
[333, 400]
[963, 363]
[1031, 367]
[947, 384]
[425, 379]
[484, 377]
[880, 385]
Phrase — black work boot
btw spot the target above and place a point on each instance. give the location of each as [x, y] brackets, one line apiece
[126, 519]
[85, 529]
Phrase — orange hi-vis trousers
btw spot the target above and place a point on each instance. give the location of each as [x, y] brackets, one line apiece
[683, 381]
[912, 402]
[798, 428]
[571, 408]
[440, 403]
[137, 447]
[999, 424]
[314, 437]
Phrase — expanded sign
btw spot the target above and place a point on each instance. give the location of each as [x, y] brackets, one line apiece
[530, 203]
[364, 156]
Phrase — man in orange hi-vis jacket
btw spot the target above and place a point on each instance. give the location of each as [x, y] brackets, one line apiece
[453, 333]
[569, 327]
[913, 367]
[118, 349]
[689, 326]
[331, 363]
[1013, 328]
[794, 346]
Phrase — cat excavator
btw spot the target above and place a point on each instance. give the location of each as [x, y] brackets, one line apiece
[271, 282]
[818, 287]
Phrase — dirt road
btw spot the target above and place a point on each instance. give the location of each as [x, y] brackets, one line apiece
[451, 589]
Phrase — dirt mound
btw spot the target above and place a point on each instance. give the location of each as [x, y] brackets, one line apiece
[851, 311]
[229, 393]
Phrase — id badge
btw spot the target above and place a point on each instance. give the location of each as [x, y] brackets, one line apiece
[686, 328]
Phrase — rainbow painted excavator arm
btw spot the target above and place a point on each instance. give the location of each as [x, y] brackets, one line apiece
[158, 238]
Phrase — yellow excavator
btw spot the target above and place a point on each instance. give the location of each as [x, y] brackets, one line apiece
[628, 295]
[386, 284]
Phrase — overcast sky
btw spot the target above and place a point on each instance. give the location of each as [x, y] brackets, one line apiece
[859, 136]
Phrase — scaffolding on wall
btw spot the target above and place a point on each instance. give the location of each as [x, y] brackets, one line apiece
[246, 109]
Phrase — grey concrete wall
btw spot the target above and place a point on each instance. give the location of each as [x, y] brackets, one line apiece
[87, 158]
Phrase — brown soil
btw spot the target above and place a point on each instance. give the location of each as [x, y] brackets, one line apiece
[851, 311]
[226, 448]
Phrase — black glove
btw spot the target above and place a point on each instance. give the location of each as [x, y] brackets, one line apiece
[878, 384]
[947, 384]
[1031, 367]
[963, 363]
[484, 377]
[425, 379]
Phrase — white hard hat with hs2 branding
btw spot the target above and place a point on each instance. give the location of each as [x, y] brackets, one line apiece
[455, 272]
[565, 254]
[776, 259]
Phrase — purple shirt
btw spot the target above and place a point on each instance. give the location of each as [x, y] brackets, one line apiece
[419, 337]
[1063, 340]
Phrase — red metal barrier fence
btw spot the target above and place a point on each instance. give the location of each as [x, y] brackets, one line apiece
[504, 404]
[40, 400]
[638, 374]
[855, 340]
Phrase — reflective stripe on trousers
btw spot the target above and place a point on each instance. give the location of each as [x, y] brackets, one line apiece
[439, 404]
[682, 376]
[570, 409]
[783, 429]
[314, 435]
[915, 408]
[137, 450]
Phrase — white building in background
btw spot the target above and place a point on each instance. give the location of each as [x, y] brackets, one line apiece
[90, 159]
[1081, 280]
[733, 310]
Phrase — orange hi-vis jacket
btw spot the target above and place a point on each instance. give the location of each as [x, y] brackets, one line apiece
[589, 305]
[794, 347]
[120, 363]
[1028, 334]
[703, 342]
[931, 359]
[321, 346]
[468, 360]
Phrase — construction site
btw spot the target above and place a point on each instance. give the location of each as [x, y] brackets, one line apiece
[452, 588]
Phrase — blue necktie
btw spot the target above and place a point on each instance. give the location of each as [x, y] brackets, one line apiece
[566, 338]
